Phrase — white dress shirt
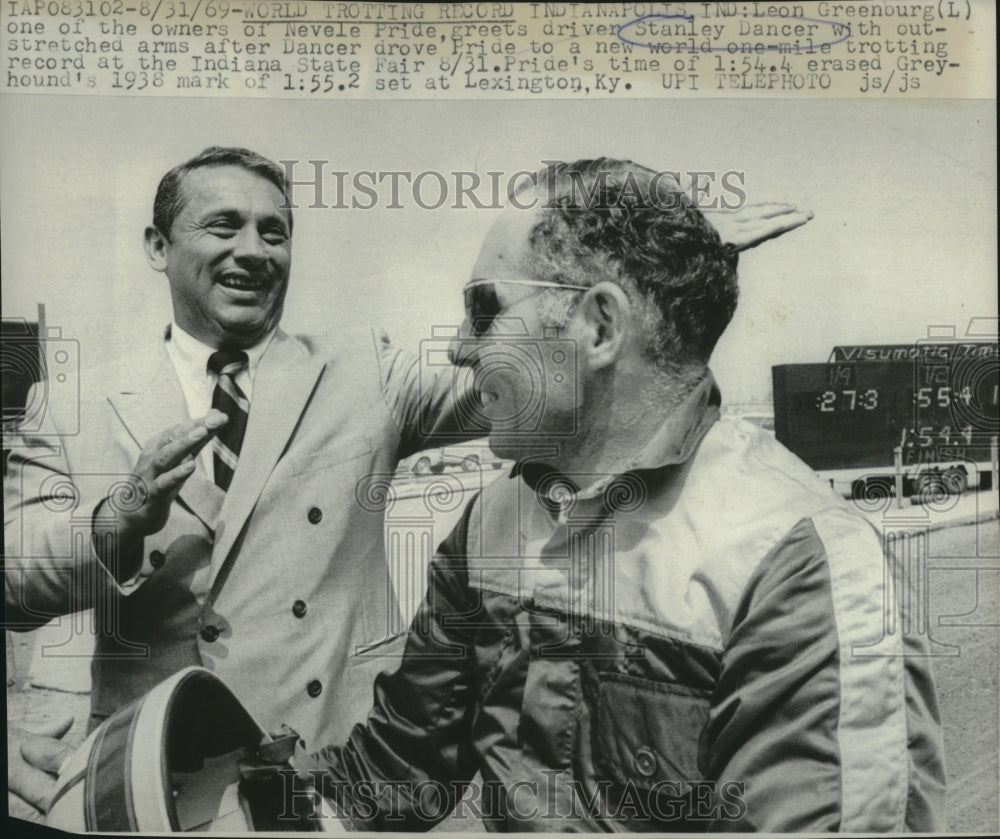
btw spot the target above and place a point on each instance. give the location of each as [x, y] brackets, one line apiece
[190, 359]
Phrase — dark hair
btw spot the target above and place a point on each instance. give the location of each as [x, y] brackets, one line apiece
[614, 220]
[169, 196]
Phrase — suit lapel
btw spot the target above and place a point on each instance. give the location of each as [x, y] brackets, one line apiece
[285, 379]
[149, 401]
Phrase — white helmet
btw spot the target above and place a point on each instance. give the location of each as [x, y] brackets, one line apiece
[186, 756]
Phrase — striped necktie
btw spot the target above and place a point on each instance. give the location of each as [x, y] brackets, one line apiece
[229, 399]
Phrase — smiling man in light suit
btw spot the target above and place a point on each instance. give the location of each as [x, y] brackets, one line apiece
[214, 476]
[207, 509]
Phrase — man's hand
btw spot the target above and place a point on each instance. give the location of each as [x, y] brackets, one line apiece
[143, 508]
[166, 462]
[755, 223]
[33, 761]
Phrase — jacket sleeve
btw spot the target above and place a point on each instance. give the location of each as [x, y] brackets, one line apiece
[825, 716]
[50, 565]
[431, 401]
[406, 767]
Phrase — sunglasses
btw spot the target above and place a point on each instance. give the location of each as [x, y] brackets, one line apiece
[483, 306]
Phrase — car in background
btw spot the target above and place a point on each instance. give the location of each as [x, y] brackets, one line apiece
[466, 457]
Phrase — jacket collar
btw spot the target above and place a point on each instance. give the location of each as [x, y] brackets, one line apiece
[674, 442]
[682, 430]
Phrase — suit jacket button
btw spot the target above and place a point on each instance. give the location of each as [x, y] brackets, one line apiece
[299, 608]
[315, 515]
[157, 558]
[209, 633]
[314, 688]
[645, 761]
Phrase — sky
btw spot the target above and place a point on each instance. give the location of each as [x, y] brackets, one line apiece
[903, 238]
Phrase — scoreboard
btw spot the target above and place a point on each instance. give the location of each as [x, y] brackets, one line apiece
[940, 401]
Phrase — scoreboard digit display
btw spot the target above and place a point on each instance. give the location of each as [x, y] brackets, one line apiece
[939, 400]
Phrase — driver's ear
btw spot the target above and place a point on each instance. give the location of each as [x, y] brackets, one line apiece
[156, 245]
[607, 323]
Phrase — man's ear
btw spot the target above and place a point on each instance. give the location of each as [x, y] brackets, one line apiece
[608, 319]
[156, 248]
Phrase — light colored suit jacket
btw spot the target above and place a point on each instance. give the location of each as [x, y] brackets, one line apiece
[280, 585]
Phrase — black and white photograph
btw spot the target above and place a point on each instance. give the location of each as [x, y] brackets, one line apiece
[518, 464]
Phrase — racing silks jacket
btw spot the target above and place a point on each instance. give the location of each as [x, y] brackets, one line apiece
[707, 640]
